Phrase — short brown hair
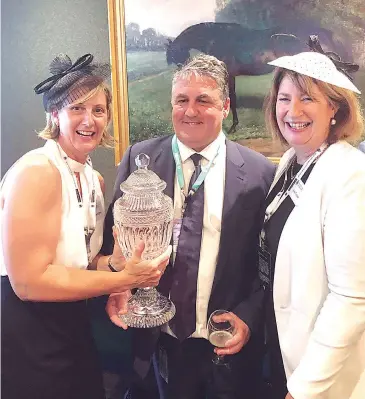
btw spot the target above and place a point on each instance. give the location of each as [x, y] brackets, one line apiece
[205, 65]
[52, 131]
[349, 119]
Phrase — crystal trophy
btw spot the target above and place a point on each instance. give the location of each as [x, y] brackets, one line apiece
[145, 213]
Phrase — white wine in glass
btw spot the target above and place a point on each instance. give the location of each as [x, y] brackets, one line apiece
[218, 334]
[219, 338]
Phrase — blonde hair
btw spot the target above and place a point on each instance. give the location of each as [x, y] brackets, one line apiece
[52, 131]
[349, 119]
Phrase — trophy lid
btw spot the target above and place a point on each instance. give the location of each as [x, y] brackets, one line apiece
[142, 180]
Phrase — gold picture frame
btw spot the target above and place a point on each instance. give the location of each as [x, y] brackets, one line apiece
[119, 76]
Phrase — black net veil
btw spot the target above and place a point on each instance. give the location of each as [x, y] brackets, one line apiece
[71, 81]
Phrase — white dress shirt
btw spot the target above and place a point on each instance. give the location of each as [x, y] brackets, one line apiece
[213, 207]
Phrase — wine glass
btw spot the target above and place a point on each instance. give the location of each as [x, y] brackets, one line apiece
[218, 334]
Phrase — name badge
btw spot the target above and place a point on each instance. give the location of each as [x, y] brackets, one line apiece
[265, 268]
[296, 191]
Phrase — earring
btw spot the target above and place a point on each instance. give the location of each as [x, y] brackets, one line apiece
[333, 121]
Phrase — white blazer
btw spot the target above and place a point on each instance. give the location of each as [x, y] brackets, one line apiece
[319, 283]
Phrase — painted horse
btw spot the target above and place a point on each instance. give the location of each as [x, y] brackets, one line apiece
[244, 51]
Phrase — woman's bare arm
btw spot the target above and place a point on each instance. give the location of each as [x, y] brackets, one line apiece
[31, 226]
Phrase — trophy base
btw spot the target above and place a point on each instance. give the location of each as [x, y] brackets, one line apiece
[148, 308]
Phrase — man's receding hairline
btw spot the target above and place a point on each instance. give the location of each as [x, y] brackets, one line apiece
[201, 78]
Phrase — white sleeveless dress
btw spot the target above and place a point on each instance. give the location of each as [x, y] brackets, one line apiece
[71, 248]
[47, 347]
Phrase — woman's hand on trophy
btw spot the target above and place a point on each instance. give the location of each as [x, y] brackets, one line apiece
[146, 273]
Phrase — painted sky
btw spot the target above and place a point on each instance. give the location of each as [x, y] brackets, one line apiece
[169, 17]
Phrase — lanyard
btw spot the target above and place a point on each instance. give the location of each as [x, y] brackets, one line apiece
[90, 212]
[78, 194]
[282, 195]
[179, 171]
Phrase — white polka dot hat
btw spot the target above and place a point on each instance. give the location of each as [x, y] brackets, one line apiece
[316, 65]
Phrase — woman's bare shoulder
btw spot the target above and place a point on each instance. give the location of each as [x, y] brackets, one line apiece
[35, 175]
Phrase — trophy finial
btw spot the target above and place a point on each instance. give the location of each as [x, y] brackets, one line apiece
[142, 161]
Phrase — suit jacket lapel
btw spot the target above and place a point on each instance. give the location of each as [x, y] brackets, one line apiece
[164, 165]
[234, 185]
[281, 167]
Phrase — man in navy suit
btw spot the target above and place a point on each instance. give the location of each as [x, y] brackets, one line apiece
[223, 274]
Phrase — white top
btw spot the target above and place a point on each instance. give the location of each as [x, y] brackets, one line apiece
[71, 249]
[213, 207]
[319, 283]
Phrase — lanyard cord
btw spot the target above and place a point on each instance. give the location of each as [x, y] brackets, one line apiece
[283, 194]
[88, 230]
[179, 171]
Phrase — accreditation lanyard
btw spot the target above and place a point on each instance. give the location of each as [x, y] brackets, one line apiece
[180, 174]
[294, 190]
[89, 212]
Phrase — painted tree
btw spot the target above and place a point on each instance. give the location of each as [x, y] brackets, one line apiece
[133, 35]
[345, 18]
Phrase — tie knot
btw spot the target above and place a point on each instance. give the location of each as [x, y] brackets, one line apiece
[196, 159]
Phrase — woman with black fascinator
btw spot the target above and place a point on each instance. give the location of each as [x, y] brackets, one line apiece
[312, 244]
[52, 214]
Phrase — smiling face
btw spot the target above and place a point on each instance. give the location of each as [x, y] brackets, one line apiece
[82, 125]
[303, 118]
[198, 111]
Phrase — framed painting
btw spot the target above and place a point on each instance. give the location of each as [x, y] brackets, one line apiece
[149, 38]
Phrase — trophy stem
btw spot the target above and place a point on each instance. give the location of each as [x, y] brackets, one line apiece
[148, 308]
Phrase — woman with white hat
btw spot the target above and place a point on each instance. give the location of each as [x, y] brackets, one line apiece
[312, 245]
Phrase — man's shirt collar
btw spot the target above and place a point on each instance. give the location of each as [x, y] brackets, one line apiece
[208, 152]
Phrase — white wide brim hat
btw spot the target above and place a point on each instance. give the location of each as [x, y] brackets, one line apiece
[317, 66]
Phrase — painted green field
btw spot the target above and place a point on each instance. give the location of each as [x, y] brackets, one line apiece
[145, 63]
[150, 91]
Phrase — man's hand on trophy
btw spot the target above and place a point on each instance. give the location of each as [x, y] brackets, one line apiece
[146, 273]
[117, 306]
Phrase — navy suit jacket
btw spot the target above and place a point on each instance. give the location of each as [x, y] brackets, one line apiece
[236, 286]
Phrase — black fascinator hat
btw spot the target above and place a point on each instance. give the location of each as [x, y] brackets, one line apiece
[70, 81]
